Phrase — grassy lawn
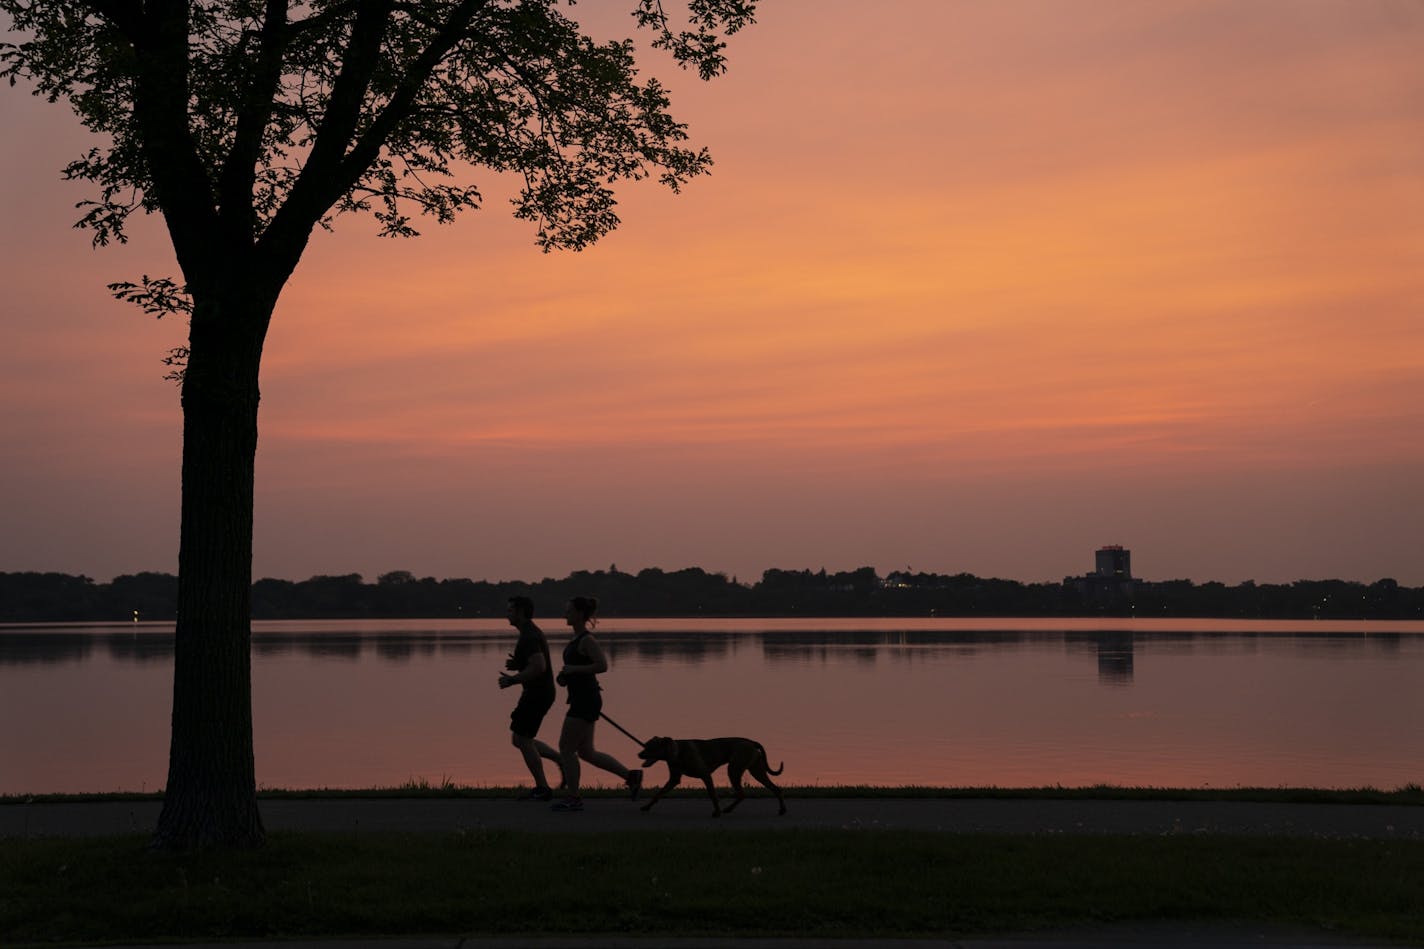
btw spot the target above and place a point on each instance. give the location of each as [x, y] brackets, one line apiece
[823, 883]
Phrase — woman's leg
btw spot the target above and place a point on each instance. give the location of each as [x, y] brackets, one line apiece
[599, 759]
[576, 733]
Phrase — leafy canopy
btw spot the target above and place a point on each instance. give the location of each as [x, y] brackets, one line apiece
[251, 121]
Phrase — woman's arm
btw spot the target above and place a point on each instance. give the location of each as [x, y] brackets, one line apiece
[597, 661]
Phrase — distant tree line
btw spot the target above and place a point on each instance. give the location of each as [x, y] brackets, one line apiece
[58, 597]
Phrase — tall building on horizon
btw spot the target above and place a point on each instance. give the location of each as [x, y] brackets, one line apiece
[1114, 560]
[1110, 586]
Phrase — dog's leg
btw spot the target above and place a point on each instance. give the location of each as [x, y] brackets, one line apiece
[674, 778]
[758, 771]
[734, 774]
[712, 793]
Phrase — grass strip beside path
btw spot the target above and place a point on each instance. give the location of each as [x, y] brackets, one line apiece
[1411, 794]
[808, 883]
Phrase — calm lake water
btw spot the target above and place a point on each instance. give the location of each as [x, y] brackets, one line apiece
[855, 701]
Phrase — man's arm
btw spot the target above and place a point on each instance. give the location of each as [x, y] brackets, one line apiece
[532, 670]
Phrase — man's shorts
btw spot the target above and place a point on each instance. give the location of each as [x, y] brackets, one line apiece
[529, 714]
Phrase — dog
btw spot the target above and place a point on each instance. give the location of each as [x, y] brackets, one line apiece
[699, 757]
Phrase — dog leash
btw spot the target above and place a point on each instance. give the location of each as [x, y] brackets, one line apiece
[641, 744]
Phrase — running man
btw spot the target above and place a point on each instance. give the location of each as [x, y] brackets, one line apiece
[531, 669]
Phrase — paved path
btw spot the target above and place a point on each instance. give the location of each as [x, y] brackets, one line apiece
[356, 815]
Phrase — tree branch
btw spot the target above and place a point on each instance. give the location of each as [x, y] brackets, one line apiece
[127, 15]
[322, 184]
[343, 109]
[398, 108]
[161, 96]
[312, 192]
[318, 21]
[239, 170]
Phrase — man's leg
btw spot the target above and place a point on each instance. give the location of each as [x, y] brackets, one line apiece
[551, 753]
[534, 753]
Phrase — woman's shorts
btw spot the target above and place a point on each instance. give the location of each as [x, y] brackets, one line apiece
[529, 714]
[586, 707]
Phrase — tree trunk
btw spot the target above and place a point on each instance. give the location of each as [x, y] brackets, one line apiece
[211, 794]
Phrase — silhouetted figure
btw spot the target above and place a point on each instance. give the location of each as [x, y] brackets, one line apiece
[531, 668]
[583, 661]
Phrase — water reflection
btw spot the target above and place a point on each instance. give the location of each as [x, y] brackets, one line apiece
[680, 648]
[141, 649]
[964, 702]
[1114, 650]
[348, 649]
[1115, 658]
[18, 649]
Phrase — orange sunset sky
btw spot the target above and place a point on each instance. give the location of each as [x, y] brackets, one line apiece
[973, 286]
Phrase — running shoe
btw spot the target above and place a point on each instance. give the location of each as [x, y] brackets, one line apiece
[635, 783]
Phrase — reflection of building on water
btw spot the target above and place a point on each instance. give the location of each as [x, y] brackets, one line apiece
[1113, 649]
[1115, 658]
[1110, 585]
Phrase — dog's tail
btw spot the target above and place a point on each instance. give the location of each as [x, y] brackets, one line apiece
[769, 769]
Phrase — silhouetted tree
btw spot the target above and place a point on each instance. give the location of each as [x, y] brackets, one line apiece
[691, 591]
[46, 597]
[246, 124]
[148, 596]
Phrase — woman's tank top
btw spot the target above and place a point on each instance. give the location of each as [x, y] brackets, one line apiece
[584, 684]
